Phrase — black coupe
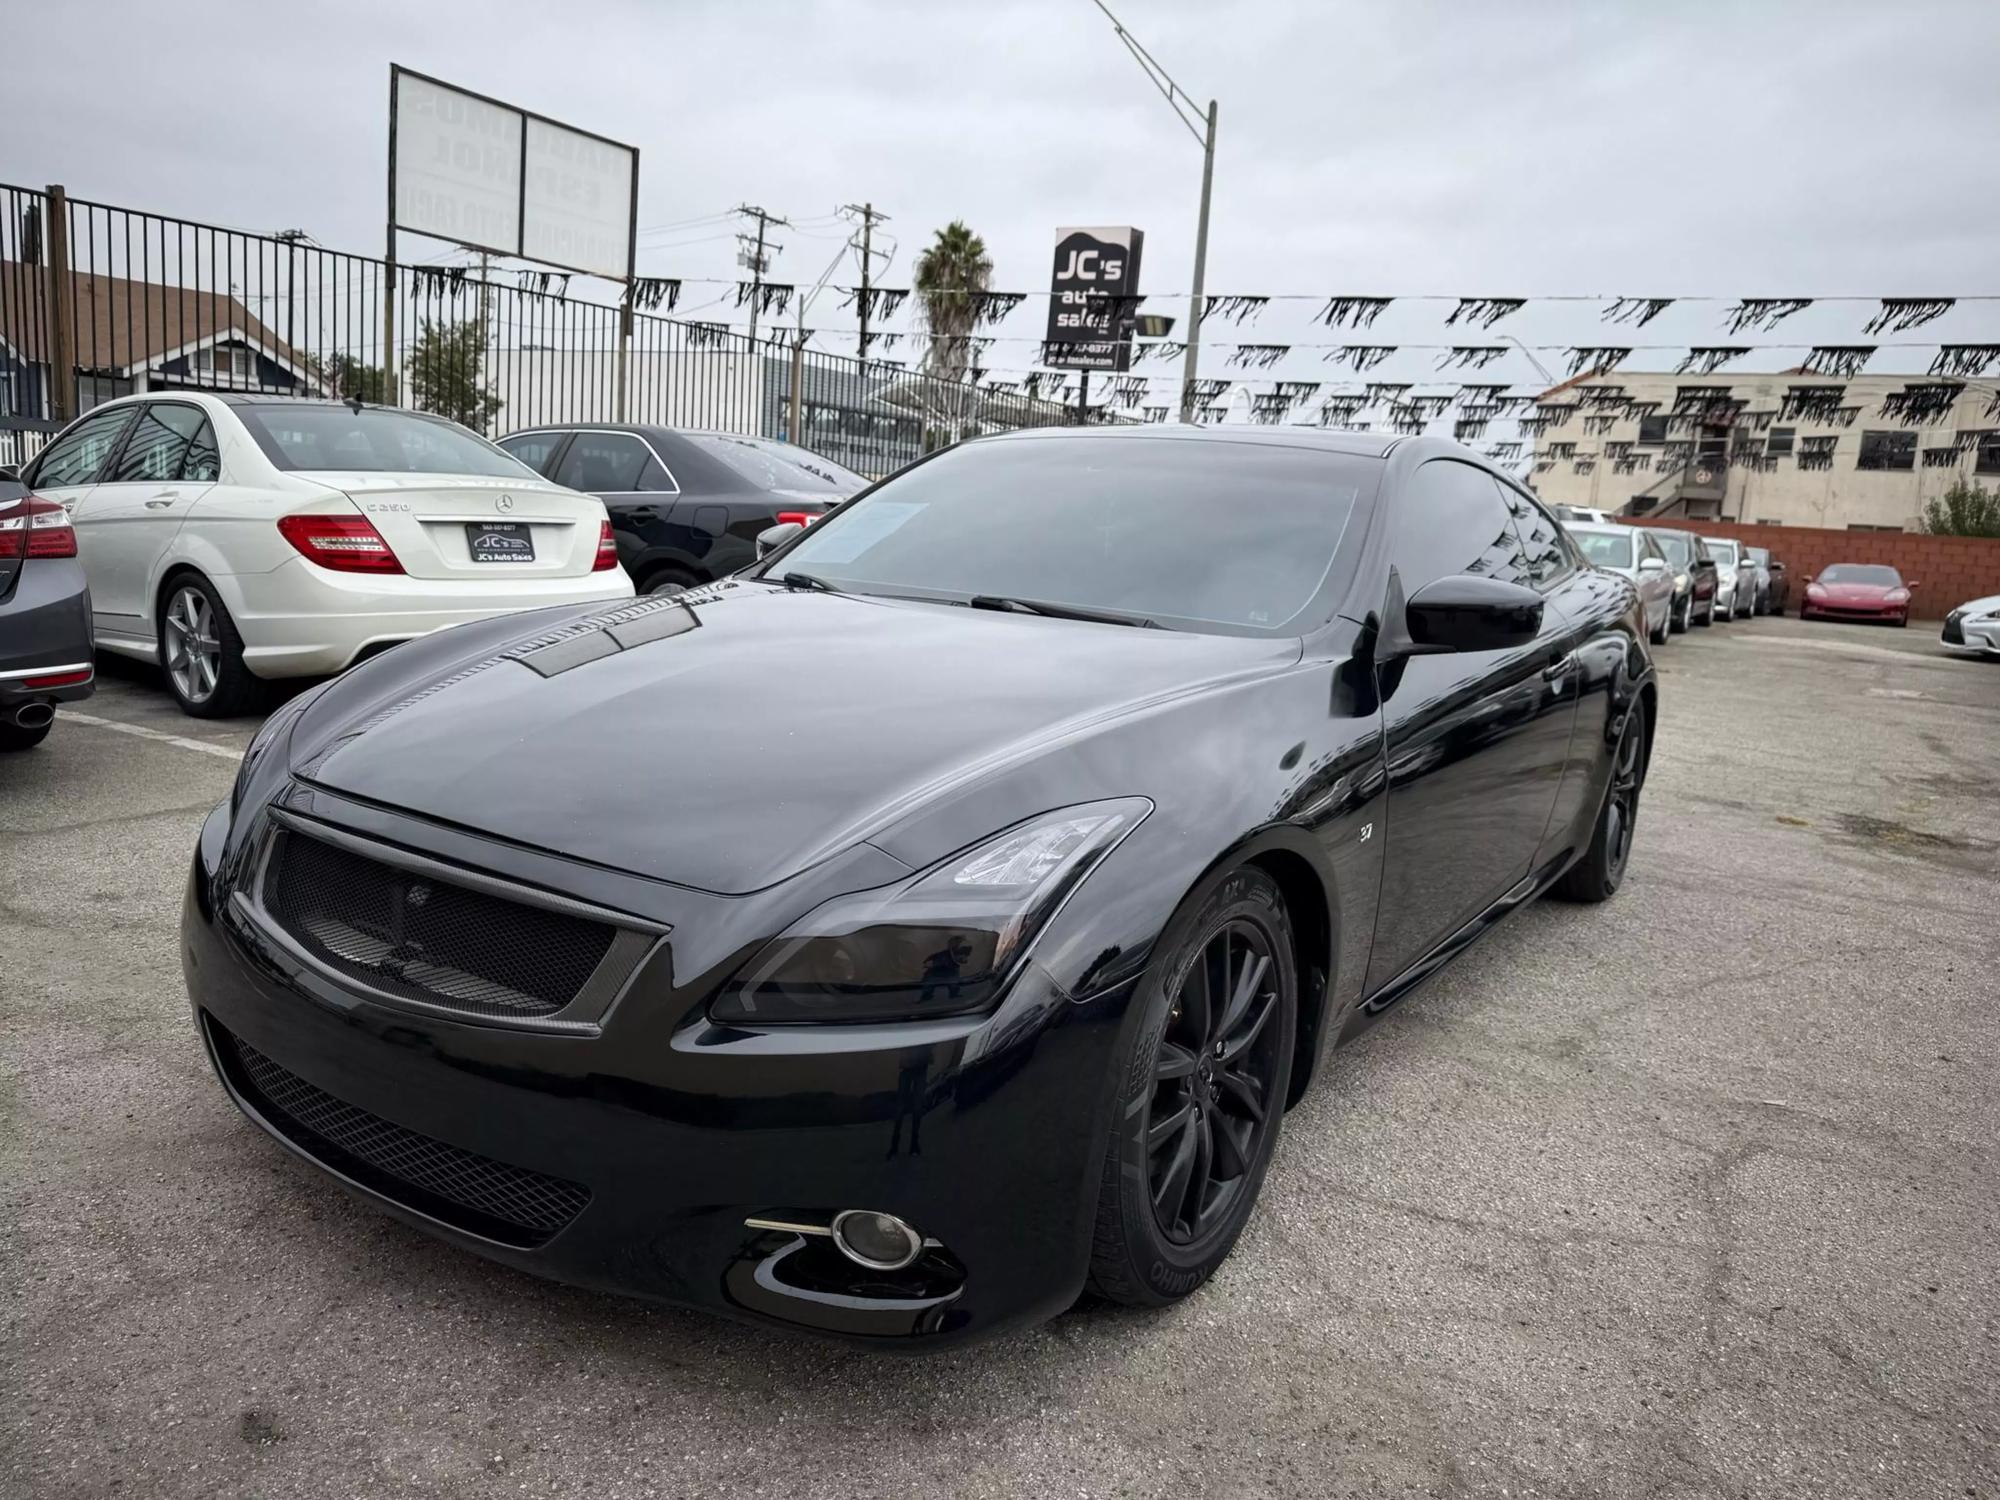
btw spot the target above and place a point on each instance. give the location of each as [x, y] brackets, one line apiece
[940, 917]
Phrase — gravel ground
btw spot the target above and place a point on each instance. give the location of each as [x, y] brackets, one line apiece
[1692, 1194]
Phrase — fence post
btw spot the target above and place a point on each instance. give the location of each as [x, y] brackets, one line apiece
[62, 307]
[624, 347]
[796, 434]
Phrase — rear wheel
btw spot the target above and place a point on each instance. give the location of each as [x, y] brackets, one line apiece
[1597, 875]
[14, 737]
[669, 580]
[1197, 1118]
[202, 654]
[1678, 618]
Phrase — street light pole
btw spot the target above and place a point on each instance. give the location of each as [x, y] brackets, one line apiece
[1186, 111]
[1198, 305]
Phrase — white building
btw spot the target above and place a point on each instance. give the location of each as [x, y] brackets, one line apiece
[1862, 453]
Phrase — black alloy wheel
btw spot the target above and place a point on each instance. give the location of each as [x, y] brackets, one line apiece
[1596, 876]
[1196, 1123]
[1214, 1093]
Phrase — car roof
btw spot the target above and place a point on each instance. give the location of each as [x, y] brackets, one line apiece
[1604, 528]
[1325, 439]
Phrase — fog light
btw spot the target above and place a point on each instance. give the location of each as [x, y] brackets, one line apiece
[881, 1242]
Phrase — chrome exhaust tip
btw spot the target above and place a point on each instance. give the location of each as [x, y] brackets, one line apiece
[35, 715]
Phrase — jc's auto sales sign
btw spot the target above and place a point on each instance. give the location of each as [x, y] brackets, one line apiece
[1093, 298]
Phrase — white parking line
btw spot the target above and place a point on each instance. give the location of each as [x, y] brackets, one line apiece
[67, 716]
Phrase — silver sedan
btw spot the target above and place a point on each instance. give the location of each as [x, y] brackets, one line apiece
[1632, 551]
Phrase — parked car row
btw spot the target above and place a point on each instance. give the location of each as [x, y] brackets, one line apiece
[1684, 579]
[235, 540]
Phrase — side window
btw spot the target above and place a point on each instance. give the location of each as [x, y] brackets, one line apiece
[654, 477]
[534, 449]
[202, 463]
[1550, 556]
[158, 444]
[603, 463]
[78, 456]
[1451, 519]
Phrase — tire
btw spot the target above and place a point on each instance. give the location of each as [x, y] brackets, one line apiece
[1707, 615]
[14, 737]
[1678, 620]
[668, 580]
[1659, 637]
[1154, 1245]
[191, 611]
[1597, 875]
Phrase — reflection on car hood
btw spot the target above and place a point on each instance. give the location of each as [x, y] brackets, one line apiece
[730, 737]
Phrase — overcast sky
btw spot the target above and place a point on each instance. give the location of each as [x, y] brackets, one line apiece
[1693, 147]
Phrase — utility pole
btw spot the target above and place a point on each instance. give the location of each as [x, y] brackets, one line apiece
[1188, 113]
[754, 259]
[868, 216]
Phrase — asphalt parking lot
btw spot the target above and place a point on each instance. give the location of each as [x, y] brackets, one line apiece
[1692, 1194]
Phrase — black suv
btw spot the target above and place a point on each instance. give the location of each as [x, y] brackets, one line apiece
[685, 507]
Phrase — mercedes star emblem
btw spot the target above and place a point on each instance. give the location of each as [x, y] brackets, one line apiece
[504, 503]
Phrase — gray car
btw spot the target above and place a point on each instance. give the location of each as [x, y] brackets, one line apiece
[45, 635]
[1632, 551]
[1735, 578]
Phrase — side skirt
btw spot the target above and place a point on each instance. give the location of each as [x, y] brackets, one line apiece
[1373, 1007]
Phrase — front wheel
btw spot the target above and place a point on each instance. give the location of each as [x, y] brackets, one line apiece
[1680, 618]
[1197, 1116]
[1597, 875]
[1658, 636]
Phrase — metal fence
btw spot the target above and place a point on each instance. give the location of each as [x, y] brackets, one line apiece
[98, 301]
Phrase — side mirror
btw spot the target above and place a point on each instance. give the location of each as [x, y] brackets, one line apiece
[1913, 585]
[771, 538]
[1652, 565]
[8, 471]
[1464, 612]
[1807, 578]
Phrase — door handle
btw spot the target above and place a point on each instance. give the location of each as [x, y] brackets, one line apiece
[162, 503]
[1558, 669]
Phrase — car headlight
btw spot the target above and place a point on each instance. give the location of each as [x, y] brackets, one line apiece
[1814, 591]
[1896, 596]
[943, 943]
[1680, 582]
[273, 731]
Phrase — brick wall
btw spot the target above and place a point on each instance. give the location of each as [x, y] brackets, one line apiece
[1948, 570]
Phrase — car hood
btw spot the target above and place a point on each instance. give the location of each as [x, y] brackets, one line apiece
[1853, 593]
[730, 737]
[1989, 605]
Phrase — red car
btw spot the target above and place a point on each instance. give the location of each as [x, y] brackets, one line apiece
[1857, 591]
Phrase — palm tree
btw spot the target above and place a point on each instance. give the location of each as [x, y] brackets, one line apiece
[950, 275]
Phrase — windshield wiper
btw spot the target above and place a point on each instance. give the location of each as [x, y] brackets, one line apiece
[797, 580]
[1012, 605]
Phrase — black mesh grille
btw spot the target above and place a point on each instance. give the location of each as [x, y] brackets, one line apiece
[427, 940]
[472, 1192]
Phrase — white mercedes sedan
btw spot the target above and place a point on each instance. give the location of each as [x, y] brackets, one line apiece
[1633, 551]
[234, 539]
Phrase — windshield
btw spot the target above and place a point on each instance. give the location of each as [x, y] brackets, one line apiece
[1723, 552]
[373, 440]
[1607, 549]
[1679, 553]
[1218, 536]
[778, 466]
[1760, 557]
[1868, 573]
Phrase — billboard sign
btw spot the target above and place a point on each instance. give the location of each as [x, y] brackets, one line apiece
[469, 169]
[1093, 298]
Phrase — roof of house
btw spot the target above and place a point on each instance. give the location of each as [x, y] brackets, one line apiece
[122, 324]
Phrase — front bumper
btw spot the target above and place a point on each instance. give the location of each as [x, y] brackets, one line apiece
[986, 1133]
[299, 620]
[1971, 634]
[1812, 609]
